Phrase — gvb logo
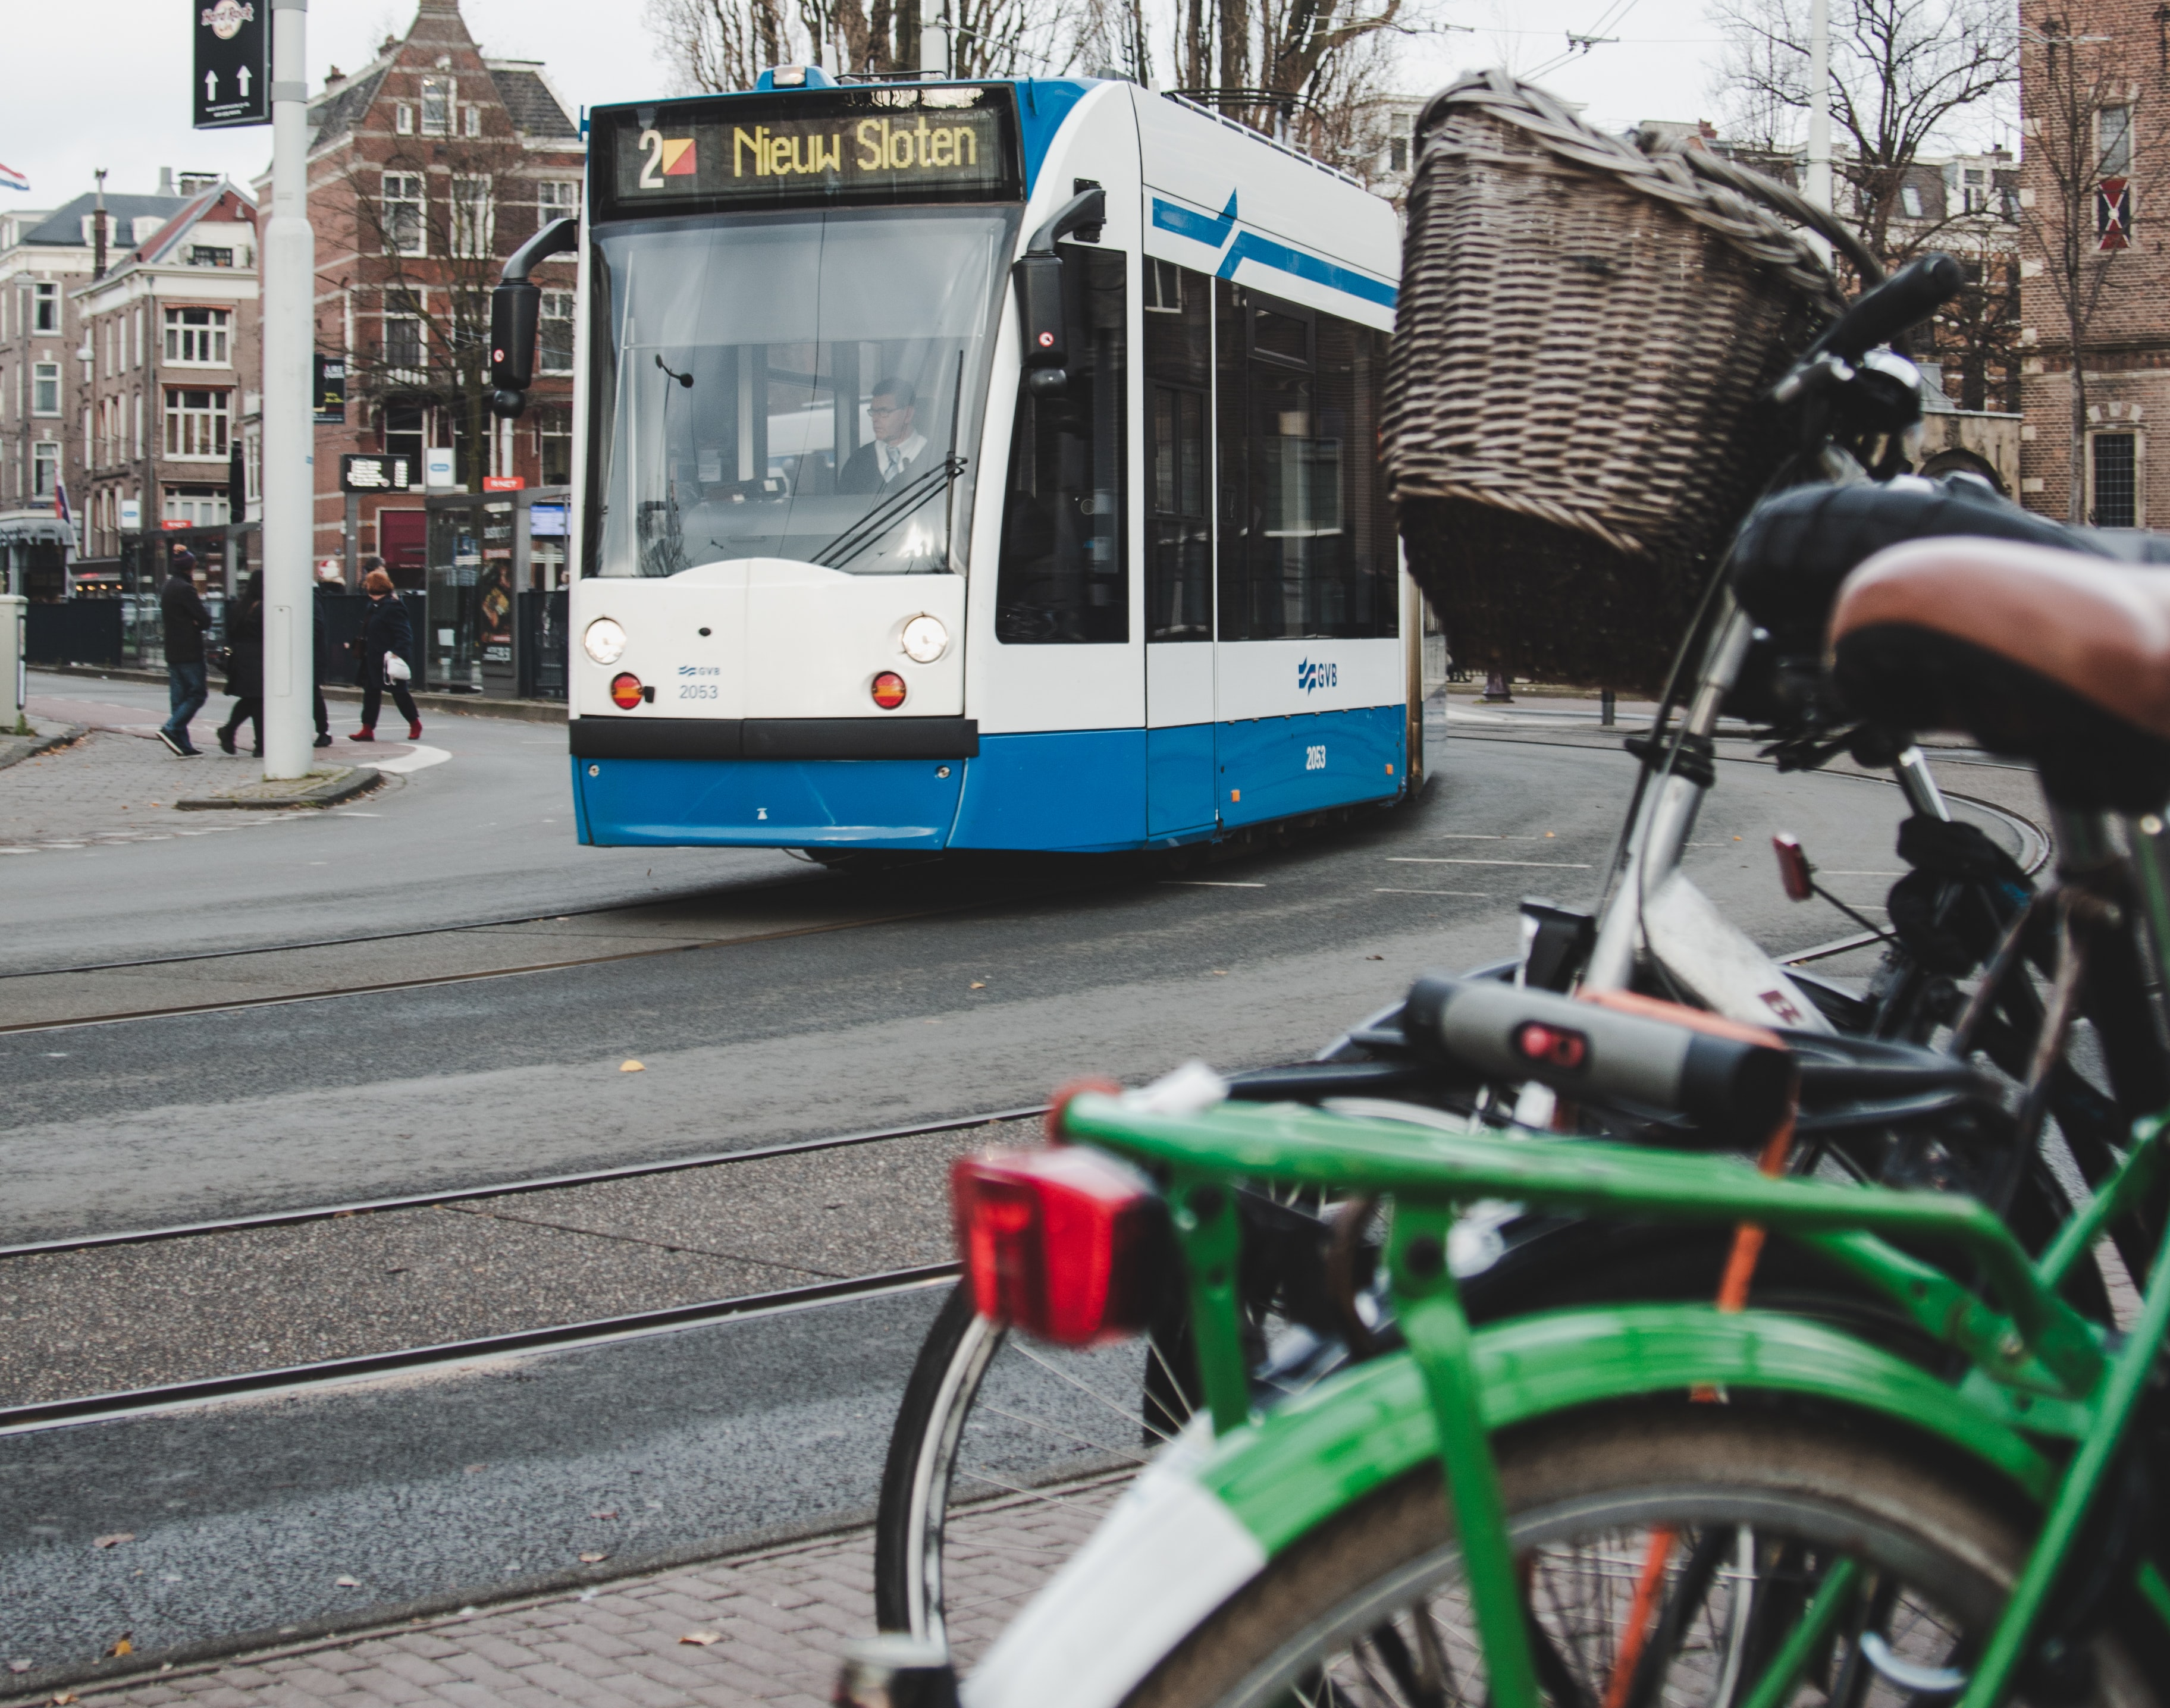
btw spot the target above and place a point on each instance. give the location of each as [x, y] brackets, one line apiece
[1310, 675]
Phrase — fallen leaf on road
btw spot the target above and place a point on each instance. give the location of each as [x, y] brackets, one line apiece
[603, 1513]
[1220, 972]
[19, 1666]
[1375, 958]
[63, 1699]
[592, 1555]
[114, 1540]
[979, 984]
[633, 1067]
[702, 1638]
[121, 1646]
[346, 1583]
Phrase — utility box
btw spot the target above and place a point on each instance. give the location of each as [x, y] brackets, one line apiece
[15, 663]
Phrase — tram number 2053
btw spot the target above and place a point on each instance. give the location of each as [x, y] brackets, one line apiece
[1314, 758]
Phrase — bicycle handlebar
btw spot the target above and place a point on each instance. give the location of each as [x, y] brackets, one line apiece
[1907, 298]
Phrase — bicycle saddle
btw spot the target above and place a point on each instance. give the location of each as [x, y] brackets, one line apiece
[2051, 656]
[1797, 546]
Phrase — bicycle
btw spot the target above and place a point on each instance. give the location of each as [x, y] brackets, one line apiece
[1845, 1513]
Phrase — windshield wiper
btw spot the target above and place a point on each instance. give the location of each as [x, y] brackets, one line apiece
[877, 521]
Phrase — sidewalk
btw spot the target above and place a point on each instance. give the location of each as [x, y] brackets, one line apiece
[765, 1627]
[336, 693]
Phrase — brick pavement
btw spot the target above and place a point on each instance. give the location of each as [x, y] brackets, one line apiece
[769, 1626]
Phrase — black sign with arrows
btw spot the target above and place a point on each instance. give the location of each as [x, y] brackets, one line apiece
[233, 62]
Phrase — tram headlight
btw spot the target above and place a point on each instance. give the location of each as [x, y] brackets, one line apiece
[603, 640]
[925, 639]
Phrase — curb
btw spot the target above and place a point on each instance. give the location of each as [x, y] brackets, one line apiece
[452, 705]
[117, 1673]
[327, 788]
[43, 744]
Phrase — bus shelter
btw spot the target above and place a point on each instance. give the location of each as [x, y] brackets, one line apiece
[495, 622]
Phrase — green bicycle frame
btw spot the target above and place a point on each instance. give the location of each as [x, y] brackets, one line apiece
[2035, 1368]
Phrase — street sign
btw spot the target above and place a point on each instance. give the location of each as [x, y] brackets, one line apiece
[132, 516]
[330, 392]
[502, 482]
[375, 474]
[232, 82]
[437, 465]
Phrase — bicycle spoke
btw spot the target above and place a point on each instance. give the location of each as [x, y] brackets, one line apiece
[1135, 1457]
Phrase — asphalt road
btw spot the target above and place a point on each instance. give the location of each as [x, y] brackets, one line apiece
[974, 986]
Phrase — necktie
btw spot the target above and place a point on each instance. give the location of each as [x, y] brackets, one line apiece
[889, 464]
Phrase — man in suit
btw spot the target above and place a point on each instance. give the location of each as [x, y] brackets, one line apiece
[899, 447]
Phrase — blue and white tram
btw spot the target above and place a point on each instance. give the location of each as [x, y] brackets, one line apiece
[979, 465]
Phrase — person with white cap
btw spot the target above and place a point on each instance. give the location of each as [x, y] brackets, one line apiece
[330, 580]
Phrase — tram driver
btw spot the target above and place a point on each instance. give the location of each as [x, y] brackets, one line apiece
[898, 449]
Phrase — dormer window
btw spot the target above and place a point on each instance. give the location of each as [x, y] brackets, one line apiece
[436, 106]
[204, 256]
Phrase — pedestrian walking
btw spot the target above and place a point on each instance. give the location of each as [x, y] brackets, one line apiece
[244, 663]
[329, 584]
[387, 647]
[185, 621]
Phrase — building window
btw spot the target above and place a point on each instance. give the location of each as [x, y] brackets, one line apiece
[204, 256]
[196, 506]
[46, 315]
[403, 230]
[403, 337]
[2116, 483]
[1975, 189]
[1910, 201]
[196, 423]
[436, 106]
[2113, 140]
[45, 468]
[196, 337]
[557, 339]
[553, 442]
[1398, 155]
[473, 115]
[45, 389]
[402, 434]
[473, 217]
[555, 198]
[403, 119]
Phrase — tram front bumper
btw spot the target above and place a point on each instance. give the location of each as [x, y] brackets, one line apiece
[767, 803]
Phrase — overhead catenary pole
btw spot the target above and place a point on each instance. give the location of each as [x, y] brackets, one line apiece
[288, 481]
[1820, 143]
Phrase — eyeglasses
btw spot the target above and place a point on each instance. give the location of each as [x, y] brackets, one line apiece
[878, 409]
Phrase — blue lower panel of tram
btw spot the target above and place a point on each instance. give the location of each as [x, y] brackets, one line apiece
[1082, 791]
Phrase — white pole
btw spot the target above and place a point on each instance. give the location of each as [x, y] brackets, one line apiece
[1819, 147]
[289, 474]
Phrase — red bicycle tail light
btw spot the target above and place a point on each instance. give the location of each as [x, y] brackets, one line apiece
[625, 690]
[1794, 873]
[889, 691]
[1066, 1243]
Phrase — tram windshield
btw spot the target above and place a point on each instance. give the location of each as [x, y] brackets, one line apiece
[805, 385]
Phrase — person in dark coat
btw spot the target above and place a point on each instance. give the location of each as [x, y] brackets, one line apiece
[386, 633]
[186, 621]
[244, 663]
[898, 449]
[329, 585]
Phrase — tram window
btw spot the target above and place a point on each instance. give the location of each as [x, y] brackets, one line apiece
[805, 386]
[1064, 575]
[1178, 345]
[1307, 548]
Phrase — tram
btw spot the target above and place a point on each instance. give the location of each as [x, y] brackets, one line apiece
[979, 465]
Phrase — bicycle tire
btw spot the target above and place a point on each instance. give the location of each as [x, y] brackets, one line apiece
[1319, 1616]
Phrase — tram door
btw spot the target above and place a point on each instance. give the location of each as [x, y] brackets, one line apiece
[1178, 375]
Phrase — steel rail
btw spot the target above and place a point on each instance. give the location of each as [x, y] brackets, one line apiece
[547, 1182]
[98, 1408]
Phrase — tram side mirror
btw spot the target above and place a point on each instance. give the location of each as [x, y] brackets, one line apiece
[516, 315]
[1037, 277]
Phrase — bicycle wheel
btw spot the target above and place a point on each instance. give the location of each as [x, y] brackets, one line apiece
[1760, 1505]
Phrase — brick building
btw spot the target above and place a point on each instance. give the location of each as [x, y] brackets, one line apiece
[175, 363]
[44, 256]
[427, 167]
[2095, 105]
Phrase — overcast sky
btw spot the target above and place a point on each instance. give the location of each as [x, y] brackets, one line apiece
[104, 82]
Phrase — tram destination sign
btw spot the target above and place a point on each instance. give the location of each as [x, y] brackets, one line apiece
[880, 143]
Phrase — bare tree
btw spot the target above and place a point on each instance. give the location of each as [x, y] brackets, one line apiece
[713, 45]
[427, 245]
[2086, 135]
[1904, 72]
[1308, 71]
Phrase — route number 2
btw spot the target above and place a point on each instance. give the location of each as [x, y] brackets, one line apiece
[1314, 759]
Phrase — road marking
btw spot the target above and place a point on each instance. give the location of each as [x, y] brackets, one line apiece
[1463, 860]
[421, 758]
[1471, 894]
[1212, 884]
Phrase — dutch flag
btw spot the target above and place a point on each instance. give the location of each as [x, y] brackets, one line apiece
[11, 179]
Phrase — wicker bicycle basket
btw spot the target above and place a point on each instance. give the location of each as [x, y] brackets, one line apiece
[1573, 418]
